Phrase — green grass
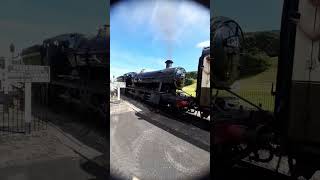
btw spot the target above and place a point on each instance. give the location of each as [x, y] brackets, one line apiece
[191, 89]
[257, 89]
[262, 80]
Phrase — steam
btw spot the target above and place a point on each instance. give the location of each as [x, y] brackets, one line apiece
[164, 21]
[203, 44]
[171, 22]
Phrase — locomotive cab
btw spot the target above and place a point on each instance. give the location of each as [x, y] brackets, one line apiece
[298, 81]
[203, 79]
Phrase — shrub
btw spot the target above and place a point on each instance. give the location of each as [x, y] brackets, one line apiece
[253, 63]
[191, 75]
[189, 81]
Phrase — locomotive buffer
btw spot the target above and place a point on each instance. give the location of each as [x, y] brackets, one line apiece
[27, 74]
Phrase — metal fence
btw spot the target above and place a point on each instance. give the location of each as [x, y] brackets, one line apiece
[260, 96]
[257, 88]
[12, 119]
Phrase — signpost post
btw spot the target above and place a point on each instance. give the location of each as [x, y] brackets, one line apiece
[119, 85]
[27, 106]
[26, 74]
[118, 93]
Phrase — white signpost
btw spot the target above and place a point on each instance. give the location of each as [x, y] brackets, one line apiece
[118, 85]
[26, 74]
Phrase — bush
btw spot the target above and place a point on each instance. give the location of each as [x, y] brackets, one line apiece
[192, 75]
[253, 63]
[189, 81]
[267, 42]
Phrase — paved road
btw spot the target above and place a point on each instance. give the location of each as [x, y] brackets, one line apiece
[141, 149]
[47, 170]
[47, 155]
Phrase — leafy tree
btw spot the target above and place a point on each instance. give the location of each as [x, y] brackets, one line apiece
[192, 75]
[188, 81]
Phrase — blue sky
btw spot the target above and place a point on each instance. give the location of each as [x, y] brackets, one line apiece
[146, 33]
[252, 15]
[25, 22]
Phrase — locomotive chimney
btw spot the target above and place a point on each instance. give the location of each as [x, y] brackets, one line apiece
[169, 64]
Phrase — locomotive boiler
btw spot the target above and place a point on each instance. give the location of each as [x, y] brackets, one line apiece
[120, 79]
[166, 80]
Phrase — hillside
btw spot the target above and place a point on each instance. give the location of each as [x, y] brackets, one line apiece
[191, 75]
[191, 83]
[191, 89]
[263, 41]
[258, 69]
[257, 89]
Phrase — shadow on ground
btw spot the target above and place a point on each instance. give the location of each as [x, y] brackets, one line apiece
[92, 168]
[176, 132]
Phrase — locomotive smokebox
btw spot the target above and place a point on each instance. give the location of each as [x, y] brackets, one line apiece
[169, 64]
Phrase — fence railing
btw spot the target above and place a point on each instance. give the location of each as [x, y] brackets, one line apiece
[12, 119]
[258, 96]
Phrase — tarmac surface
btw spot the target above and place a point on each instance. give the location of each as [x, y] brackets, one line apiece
[62, 148]
[146, 145]
[47, 155]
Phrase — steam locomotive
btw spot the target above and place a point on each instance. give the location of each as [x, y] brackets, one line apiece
[165, 80]
[78, 67]
[163, 87]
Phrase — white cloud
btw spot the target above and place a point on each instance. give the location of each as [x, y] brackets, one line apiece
[169, 21]
[203, 44]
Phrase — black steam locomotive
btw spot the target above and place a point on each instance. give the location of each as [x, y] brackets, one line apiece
[164, 87]
[78, 67]
[166, 80]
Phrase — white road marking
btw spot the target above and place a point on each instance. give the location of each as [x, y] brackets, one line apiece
[133, 107]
